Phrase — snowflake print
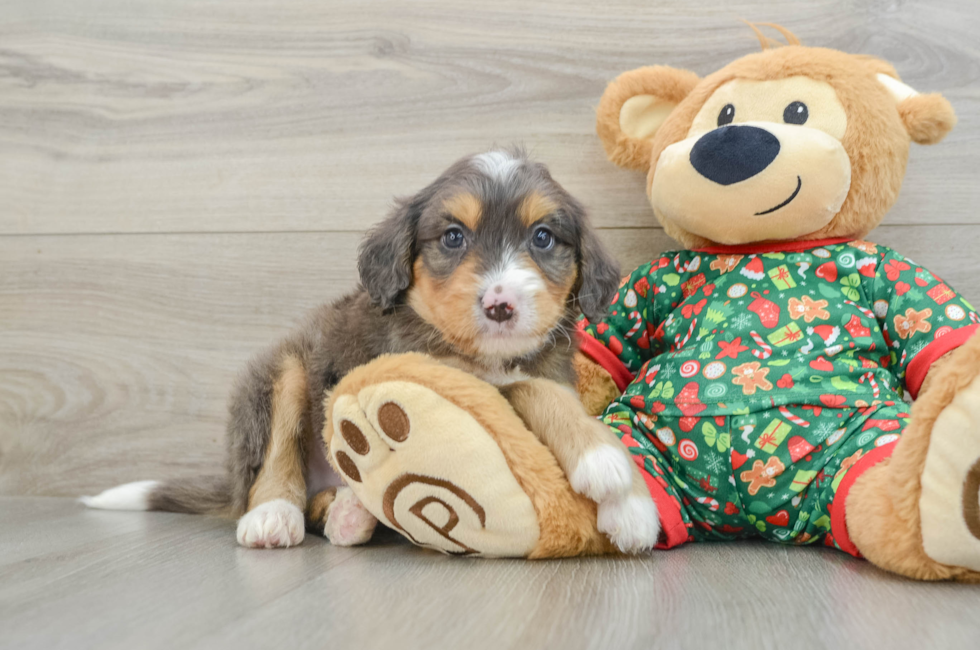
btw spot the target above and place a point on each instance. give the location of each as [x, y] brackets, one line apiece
[742, 321]
[715, 464]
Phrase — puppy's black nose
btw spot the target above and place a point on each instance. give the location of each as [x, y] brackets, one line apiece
[499, 312]
[732, 154]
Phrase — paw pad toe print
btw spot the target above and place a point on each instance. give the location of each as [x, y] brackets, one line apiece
[391, 442]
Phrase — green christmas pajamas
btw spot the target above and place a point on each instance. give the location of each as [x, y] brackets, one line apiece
[759, 384]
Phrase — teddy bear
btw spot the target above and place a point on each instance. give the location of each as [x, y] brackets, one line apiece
[756, 374]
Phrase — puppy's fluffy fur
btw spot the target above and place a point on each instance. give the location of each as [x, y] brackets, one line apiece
[486, 268]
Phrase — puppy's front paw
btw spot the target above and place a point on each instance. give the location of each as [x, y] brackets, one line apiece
[348, 521]
[273, 524]
[603, 473]
[632, 523]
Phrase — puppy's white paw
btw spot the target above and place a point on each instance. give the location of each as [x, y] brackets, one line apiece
[632, 523]
[273, 524]
[603, 473]
[348, 521]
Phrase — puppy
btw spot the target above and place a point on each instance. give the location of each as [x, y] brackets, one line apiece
[485, 269]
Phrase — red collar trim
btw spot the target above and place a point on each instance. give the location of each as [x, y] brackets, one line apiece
[773, 247]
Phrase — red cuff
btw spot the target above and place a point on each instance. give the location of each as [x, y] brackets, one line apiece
[671, 522]
[838, 520]
[919, 366]
[602, 355]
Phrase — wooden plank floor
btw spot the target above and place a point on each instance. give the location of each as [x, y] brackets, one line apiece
[79, 579]
[181, 180]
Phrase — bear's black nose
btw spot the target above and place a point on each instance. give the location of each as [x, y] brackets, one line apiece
[731, 154]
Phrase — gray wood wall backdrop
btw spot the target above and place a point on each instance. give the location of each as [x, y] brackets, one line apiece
[181, 180]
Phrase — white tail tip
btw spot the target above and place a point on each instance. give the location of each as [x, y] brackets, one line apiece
[128, 496]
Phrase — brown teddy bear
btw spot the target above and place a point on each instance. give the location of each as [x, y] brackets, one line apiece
[756, 375]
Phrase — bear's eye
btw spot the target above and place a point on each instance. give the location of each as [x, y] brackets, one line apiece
[796, 113]
[726, 115]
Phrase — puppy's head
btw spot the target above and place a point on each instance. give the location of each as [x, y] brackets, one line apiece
[494, 254]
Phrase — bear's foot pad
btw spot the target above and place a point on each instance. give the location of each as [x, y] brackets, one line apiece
[949, 505]
[426, 468]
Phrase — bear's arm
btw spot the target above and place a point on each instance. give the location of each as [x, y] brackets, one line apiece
[922, 318]
[595, 386]
[613, 349]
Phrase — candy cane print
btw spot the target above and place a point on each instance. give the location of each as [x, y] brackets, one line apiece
[793, 418]
[803, 267]
[712, 504]
[871, 380]
[690, 330]
[766, 351]
[864, 310]
[636, 326]
[901, 362]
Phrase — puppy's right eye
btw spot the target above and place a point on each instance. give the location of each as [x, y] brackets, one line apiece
[726, 115]
[453, 238]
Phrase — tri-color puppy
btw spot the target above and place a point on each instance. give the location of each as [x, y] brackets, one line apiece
[486, 269]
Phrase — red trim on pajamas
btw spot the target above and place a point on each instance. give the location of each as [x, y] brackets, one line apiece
[674, 531]
[772, 247]
[919, 366]
[838, 520]
[602, 355]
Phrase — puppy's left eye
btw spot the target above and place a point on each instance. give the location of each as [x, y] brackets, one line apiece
[796, 113]
[453, 238]
[543, 239]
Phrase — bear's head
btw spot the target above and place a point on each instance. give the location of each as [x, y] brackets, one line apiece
[791, 143]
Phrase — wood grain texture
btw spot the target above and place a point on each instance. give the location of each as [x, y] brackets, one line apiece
[117, 352]
[178, 116]
[158, 580]
[180, 181]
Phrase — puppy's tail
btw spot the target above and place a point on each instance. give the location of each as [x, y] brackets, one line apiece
[196, 495]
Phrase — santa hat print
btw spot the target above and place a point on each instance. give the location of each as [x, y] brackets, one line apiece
[827, 333]
[867, 266]
[753, 270]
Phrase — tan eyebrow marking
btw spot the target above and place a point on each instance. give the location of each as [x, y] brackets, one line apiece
[466, 207]
[535, 207]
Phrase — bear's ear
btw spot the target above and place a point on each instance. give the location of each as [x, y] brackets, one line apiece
[927, 118]
[634, 106]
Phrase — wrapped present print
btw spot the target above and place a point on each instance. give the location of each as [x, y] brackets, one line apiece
[785, 335]
[690, 286]
[941, 294]
[802, 479]
[782, 277]
[773, 435]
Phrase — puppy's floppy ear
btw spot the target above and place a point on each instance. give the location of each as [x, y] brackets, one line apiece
[598, 272]
[927, 118]
[384, 260]
[634, 105]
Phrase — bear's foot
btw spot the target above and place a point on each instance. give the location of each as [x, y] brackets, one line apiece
[917, 513]
[949, 507]
[439, 456]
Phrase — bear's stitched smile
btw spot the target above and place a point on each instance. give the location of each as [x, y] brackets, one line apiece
[799, 184]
